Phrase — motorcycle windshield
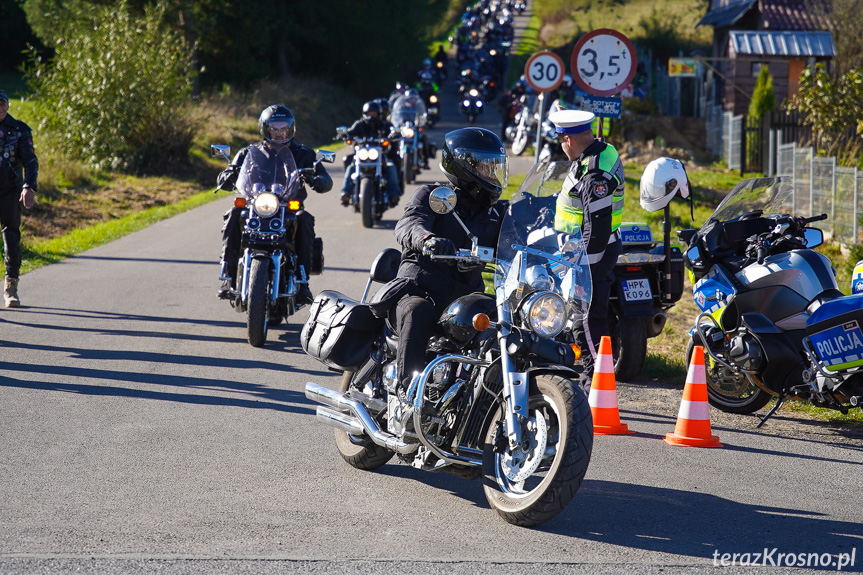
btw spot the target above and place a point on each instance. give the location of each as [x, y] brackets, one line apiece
[532, 256]
[268, 170]
[770, 195]
[408, 109]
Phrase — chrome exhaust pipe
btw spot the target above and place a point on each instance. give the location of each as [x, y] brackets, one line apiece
[353, 412]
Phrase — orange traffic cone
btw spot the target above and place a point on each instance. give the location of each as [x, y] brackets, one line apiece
[603, 394]
[693, 419]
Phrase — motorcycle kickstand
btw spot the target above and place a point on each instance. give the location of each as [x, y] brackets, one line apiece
[779, 401]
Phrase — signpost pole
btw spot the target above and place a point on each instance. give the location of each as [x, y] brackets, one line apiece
[539, 125]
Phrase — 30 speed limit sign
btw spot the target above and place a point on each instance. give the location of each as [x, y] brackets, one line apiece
[544, 71]
[603, 62]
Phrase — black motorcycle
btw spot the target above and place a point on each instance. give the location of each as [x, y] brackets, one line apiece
[268, 275]
[409, 117]
[371, 196]
[500, 400]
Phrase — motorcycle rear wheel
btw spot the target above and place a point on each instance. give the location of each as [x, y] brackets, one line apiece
[519, 144]
[257, 322]
[727, 392]
[628, 346]
[359, 452]
[367, 202]
[545, 492]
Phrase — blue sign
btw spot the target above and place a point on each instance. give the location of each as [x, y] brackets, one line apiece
[603, 107]
[840, 346]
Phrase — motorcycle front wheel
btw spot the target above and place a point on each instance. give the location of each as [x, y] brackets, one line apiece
[367, 202]
[257, 321]
[359, 451]
[727, 391]
[533, 483]
[519, 144]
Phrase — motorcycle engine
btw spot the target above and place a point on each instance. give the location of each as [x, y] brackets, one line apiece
[745, 352]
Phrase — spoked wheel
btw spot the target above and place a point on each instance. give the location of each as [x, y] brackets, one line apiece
[257, 321]
[519, 144]
[367, 202]
[359, 451]
[532, 483]
[628, 344]
[727, 391]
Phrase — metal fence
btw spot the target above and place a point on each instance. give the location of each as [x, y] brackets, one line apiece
[822, 187]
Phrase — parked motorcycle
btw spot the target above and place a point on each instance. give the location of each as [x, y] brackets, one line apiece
[500, 399]
[524, 126]
[371, 197]
[409, 116]
[268, 273]
[773, 322]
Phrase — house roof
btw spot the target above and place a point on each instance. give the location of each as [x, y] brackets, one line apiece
[725, 16]
[775, 14]
[781, 43]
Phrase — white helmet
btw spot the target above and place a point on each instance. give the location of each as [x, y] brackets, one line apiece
[662, 180]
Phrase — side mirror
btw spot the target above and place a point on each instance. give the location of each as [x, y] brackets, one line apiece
[221, 150]
[442, 200]
[814, 237]
[686, 236]
[327, 157]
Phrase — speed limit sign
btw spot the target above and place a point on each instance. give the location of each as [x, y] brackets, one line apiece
[544, 71]
[603, 62]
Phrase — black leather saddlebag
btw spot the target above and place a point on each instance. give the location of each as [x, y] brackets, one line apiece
[339, 331]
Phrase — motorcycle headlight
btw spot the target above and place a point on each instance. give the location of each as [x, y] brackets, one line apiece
[545, 314]
[408, 132]
[266, 205]
[474, 93]
[479, 103]
[466, 103]
[433, 99]
[374, 153]
[363, 154]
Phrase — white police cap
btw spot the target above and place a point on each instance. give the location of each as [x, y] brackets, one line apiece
[571, 121]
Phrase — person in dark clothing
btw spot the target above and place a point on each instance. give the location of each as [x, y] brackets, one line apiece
[373, 125]
[277, 128]
[19, 170]
[475, 162]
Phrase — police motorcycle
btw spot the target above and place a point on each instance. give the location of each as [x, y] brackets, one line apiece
[268, 274]
[371, 190]
[409, 116]
[500, 400]
[772, 321]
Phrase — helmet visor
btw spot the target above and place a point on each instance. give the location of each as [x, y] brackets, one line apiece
[493, 168]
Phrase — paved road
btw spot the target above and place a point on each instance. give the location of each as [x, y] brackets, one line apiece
[139, 432]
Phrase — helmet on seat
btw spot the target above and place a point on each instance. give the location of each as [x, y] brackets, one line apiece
[277, 125]
[662, 180]
[475, 161]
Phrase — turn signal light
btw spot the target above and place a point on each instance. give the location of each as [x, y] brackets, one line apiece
[576, 350]
[239, 202]
[350, 142]
[294, 205]
[481, 322]
[386, 143]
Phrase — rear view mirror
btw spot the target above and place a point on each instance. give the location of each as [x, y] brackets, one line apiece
[221, 150]
[814, 237]
[442, 200]
[326, 156]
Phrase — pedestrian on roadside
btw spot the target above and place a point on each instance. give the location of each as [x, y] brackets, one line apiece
[19, 169]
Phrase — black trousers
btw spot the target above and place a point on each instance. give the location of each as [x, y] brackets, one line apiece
[232, 234]
[10, 224]
[415, 318]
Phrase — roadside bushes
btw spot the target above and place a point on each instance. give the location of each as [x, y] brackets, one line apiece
[115, 94]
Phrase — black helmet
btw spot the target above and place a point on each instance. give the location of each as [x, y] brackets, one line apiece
[369, 108]
[276, 124]
[384, 106]
[475, 161]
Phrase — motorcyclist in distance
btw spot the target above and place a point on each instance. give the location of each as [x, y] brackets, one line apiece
[277, 128]
[372, 125]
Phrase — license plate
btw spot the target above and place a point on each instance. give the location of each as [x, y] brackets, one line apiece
[636, 290]
[840, 347]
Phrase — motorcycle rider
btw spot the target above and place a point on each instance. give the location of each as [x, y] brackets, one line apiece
[475, 162]
[372, 125]
[591, 200]
[277, 128]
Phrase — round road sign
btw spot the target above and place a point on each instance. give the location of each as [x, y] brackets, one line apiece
[603, 62]
[544, 71]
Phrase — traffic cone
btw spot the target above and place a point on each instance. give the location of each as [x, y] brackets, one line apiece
[603, 394]
[693, 419]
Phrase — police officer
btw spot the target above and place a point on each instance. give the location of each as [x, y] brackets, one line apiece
[591, 201]
[277, 128]
[475, 162]
[19, 170]
[373, 125]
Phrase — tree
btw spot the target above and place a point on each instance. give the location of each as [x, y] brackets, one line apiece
[842, 19]
[763, 99]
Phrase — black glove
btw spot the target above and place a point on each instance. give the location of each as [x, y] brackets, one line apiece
[438, 246]
[226, 179]
[319, 184]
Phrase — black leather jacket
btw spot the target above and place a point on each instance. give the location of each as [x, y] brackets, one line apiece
[444, 282]
[304, 157]
[18, 162]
